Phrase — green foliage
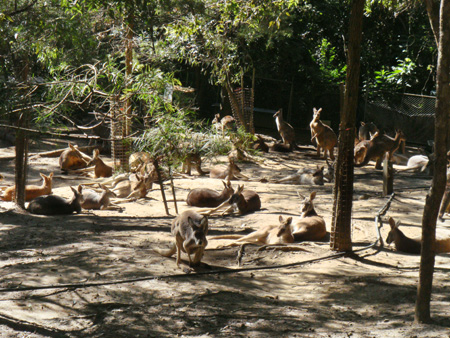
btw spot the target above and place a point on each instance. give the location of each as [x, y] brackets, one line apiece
[398, 78]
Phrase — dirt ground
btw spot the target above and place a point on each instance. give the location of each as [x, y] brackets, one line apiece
[94, 274]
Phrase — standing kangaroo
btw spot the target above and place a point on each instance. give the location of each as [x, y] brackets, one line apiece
[380, 145]
[101, 169]
[286, 131]
[267, 235]
[310, 226]
[31, 191]
[190, 230]
[325, 137]
[203, 197]
[193, 159]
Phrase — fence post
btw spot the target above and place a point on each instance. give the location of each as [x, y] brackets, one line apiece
[388, 176]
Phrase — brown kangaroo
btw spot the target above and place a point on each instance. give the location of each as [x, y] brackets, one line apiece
[224, 123]
[31, 191]
[310, 226]
[305, 176]
[366, 130]
[243, 200]
[325, 137]
[203, 197]
[286, 131]
[229, 172]
[195, 160]
[131, 189]
[190, 230]
[101, 169]
[361, 148]
[95, 201]
[72, 158]
[412, 245]
[378, 146]
[267, 235]
[56, 205]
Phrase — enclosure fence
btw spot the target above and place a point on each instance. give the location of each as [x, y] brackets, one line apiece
[413, 114]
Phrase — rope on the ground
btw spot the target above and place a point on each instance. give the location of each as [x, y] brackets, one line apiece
[74, 286]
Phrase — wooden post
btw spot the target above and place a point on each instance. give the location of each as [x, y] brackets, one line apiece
[388, 176]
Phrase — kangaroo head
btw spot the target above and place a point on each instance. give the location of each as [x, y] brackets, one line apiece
[307, 206]
[237, 196]
[199, 231]
[77, 200]
[278, 113]
[394, 228]
[47, 179]
[316, 114]
[285, 225]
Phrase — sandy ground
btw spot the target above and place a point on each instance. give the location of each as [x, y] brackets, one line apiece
[109, 283]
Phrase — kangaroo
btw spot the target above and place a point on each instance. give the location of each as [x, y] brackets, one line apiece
[379, 146]
[417, 163]
[190, 230]
[224, 123]
[412, 245]
[267, 235]
[131, 189]
[366, 130]
[305, 176]
[328, 172]
[193, 159]
[56, 205]
[95, 201]
[101, 169]
[230, 172]
[286, 131]
[72, 158]
[203, 197]
[138, 160]
[310, 226]
[243, 200]
[325, 137]
[259, 144]
[31, 191]
[361, 148]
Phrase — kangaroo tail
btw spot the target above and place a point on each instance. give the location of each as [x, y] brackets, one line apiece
[226, 237]
[166, 252]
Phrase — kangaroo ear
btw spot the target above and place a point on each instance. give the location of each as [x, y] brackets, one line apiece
[392, 223]
[397, 224]
[51, 175]
[300, 195]
[74, 191]
[289, 220]
[80, 188]
[204, 224]
[362, 123]
[313, 195]
[224, 184]
[280, 219]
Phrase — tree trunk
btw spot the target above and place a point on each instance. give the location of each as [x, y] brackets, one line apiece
[434, 197]
[343, 187]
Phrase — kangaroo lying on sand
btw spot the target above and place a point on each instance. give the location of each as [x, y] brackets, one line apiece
[208, 198]
[229, 172]
[268, 235]
[31, 191]
[189, 229]
[304, 176]
[310, 226]
[325, 137]
[56, 205]
[72, 158]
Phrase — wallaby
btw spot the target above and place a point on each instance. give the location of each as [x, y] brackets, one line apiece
[304, 176]
[190, 230]
[325, 137]
[379, 146]
[31, 191]
[286, 131]
[366, 130]
[93, 200]
[243, 200]
[203, 197]
[412, 245]
[229, 172]
[361, 148]
[72, 158]
[138, 160]
[56, 205]
[328, 171]
[310, 226]
[417, 163]
[101, 169]
[225, 123]
[260, 144]
[267, 235]
[131, 189]
[195, 160]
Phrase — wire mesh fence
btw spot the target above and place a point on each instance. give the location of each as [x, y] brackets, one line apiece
[413, 114]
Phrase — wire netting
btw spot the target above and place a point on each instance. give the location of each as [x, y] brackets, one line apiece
[413, 114]
[119, 133]
[245, 101]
